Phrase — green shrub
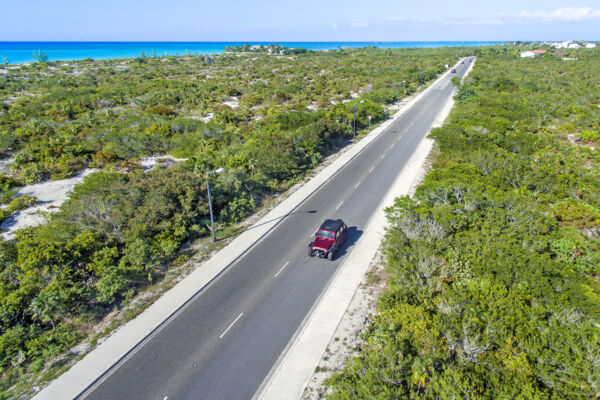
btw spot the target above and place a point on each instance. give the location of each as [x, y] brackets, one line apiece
[21, 203]
[161, 110]
[589, 136]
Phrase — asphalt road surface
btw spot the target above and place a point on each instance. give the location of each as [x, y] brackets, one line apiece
[226, 340]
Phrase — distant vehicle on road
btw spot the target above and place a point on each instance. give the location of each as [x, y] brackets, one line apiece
[330, 236]
[453, 70]
[462, 62]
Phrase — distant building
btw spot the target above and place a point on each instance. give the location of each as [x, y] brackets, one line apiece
[590, 46]
[573, 46]
[562, 45]
[533, 53]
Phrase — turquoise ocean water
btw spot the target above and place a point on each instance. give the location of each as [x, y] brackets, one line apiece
[22, 52]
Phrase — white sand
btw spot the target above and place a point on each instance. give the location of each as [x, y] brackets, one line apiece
[4, 164]
[233, 103]
[207, 118]
[313, 106]
[147, 163]
[50, 195]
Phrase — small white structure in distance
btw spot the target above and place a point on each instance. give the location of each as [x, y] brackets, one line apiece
[533, 53]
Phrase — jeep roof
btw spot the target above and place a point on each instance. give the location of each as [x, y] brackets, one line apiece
[331, 225]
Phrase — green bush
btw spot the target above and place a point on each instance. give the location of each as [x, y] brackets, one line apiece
[21, 203]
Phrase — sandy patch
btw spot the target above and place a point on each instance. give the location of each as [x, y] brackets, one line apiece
[147, 163]
[206, 118]
[50, 195]
[233, 103]
[9, 100]
[4, 165]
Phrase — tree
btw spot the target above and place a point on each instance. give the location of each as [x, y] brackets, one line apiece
[40, 56]
[46, 306]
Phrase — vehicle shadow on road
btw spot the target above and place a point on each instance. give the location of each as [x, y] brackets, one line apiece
[353, 235]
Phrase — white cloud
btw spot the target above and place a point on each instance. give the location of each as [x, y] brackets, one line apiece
[565, 14]
[489, 21]
[334, 26]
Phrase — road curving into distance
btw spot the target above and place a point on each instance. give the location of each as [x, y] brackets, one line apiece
[225, 341]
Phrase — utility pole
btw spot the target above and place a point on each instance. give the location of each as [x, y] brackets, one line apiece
[212, 220]
[354, 119]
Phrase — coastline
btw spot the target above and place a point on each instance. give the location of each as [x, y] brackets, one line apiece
[22, 52]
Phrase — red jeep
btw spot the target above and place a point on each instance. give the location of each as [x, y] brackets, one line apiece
[329, 238]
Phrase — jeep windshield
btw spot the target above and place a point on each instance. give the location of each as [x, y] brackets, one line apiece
[326, 234]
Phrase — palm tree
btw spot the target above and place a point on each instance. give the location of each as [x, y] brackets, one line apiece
[45, 306]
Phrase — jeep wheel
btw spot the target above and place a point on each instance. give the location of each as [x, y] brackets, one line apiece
[330, 255]
[310, 253]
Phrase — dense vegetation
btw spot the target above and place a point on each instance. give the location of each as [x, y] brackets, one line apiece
[118, 232]
[57, 118]
[494, 266]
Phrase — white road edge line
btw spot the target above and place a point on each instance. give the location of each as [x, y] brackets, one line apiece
[282, 268]
[230, 326]
[372, 168]
[382, 157]
[339, 205]
[392, 146]
[357, 185]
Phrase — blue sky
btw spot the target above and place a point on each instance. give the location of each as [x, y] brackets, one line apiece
[308, 20]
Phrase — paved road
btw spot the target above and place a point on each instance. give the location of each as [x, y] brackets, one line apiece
[226, 340]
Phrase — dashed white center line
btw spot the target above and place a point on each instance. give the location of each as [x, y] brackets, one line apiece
[392, 146]
[382, 156]
[229, 327]
[372, 168]
[339, 205]
[357, 185]
[282, 268]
